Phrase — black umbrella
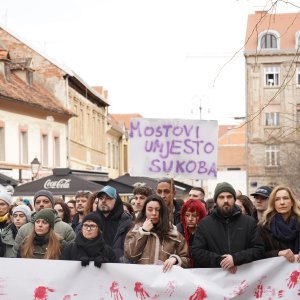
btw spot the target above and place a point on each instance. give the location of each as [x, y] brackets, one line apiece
[57, 184]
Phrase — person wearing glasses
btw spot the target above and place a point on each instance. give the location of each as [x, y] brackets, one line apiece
[89, 244]
[115, 223]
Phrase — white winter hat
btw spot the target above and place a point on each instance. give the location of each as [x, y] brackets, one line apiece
[23, 209]
[5, 196]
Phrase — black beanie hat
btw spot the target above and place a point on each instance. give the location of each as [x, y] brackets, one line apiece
[93, 217]
[46, 214]
[224, 187]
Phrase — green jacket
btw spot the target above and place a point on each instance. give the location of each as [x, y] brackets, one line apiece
[63, 229]
[8, 240]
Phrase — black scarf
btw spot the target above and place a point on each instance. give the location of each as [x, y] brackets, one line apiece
[94, 247]
[41, 240]
[286, 232]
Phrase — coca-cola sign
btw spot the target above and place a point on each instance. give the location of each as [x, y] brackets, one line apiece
[59, 184]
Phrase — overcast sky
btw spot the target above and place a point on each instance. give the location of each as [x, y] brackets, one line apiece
[159, 58]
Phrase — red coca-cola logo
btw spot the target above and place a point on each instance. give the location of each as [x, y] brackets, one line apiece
[60, 184]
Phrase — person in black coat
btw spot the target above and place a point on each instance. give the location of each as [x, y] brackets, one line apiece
[226, 238]
[89, 244]
[280, 225]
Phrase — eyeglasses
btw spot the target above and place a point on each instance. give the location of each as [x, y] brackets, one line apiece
[89, 227]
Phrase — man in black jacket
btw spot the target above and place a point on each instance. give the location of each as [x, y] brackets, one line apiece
[166, 189]
[115, 223]
[226, 238]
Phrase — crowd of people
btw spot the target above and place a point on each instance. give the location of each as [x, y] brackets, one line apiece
[153, 227]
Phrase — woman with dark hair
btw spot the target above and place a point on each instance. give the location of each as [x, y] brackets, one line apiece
[191, 213]
[63, 210]
[93, 202]
[129, 209]
[43, 242]
[280, 225]
[89, 244]
[72, 206]
[154, 240]
[245, 204]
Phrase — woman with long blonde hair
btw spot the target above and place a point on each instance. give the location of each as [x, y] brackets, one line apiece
[43, 242]
[280, 225]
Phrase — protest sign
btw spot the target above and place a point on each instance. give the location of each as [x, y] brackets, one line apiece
[160, 147]
[39, 279]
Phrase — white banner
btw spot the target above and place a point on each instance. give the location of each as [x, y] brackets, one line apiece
[24, 279]
[173, 147]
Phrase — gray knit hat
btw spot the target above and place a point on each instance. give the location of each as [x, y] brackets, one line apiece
[45, 193]
[5, 196]
[224, 187]
[46, 214]
[23, 209]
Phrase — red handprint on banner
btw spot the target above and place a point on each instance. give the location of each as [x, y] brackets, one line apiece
[280, 294]
[170, 288]
[139, 291]
[293, 279]
[114, 291]
[41, 293]
[240, 289]
[259, 290]
[200, 294]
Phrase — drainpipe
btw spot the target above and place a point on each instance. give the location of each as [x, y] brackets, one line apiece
[68, 124]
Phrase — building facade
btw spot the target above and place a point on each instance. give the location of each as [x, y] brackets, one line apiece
[84, 135]
[273, 99]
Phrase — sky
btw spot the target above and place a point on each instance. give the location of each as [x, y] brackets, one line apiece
[160, 58]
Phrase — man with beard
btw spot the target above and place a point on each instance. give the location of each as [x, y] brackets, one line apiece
[115, 223]
[226, 238]
[82, 209]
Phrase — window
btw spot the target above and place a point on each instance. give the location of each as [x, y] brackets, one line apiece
[268, 41]
[23, 147]
[44, 149]
[2, 144]
[272, 155]
[298, 75]
[272, 119]
[272, 76]
[298, 117]
[56, 145]
[108, 155]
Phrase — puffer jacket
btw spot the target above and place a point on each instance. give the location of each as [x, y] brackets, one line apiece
[63, 229]
[144, 247]
[8, 240]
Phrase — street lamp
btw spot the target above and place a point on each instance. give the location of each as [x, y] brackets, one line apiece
[35, 166]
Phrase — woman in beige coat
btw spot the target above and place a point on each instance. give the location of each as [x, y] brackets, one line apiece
[154, 240]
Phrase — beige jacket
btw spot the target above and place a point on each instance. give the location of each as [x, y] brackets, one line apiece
[145, 247]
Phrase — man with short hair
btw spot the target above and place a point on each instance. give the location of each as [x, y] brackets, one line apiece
[115, 223]
[82, 205]
[166, 190]
[141, 192]
[43, 199]
[261, 199]
[198, 193]
[226, 238]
